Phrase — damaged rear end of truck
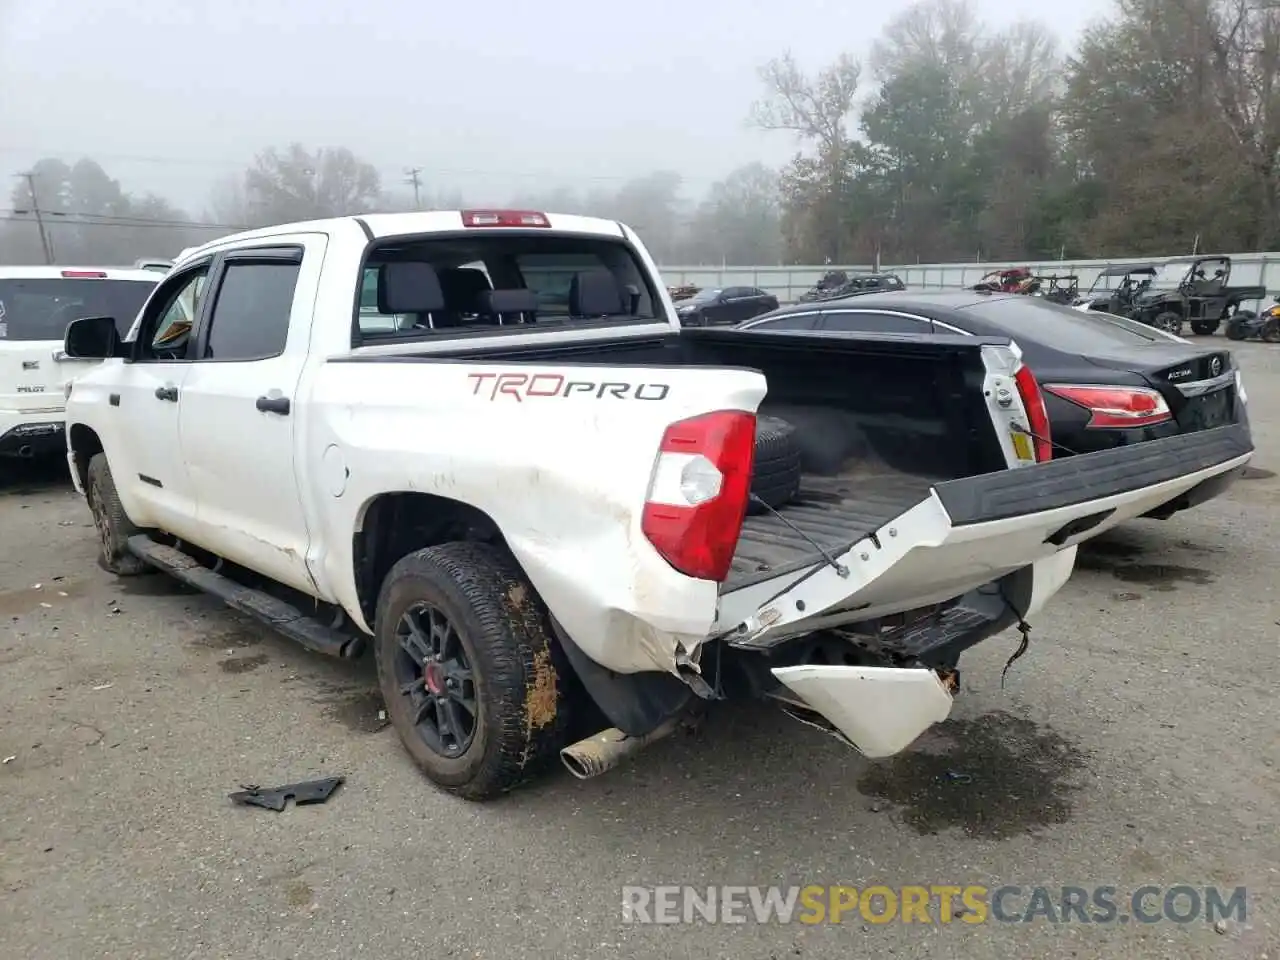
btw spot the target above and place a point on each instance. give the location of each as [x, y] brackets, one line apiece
[930, 516]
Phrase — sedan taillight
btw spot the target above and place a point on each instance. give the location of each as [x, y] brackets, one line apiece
[1111, 407]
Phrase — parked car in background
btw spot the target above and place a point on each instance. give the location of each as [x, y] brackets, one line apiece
[1108, 381]
[838, 284]
[720, 305]
[36, 304]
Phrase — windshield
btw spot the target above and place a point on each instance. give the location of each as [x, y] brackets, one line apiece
[32, 309]
[1060, 327]
[1169, 275]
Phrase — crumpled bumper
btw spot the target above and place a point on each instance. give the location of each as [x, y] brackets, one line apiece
[880, 710]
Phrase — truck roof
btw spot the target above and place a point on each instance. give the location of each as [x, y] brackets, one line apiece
[76, 273]
[389, 225]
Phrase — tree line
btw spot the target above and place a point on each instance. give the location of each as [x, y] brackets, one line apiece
[952, 140]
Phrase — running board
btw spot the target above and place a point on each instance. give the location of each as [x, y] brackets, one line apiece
[280, 616]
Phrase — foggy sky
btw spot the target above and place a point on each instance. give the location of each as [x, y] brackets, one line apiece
[489, 97]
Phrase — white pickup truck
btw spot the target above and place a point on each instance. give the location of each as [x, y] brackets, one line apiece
[480, 442]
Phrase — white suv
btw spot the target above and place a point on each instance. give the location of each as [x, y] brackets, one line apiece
[36, 304]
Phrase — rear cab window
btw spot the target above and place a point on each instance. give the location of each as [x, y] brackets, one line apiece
[1065, 329]
[493, 279]
[39, 308]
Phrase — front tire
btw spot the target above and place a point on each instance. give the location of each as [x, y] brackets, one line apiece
[473, 680]
[113, 524]
[1169, 322]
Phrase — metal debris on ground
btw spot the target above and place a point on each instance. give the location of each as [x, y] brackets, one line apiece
[277, 798]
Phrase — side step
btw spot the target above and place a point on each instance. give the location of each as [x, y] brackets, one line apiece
[280, 616]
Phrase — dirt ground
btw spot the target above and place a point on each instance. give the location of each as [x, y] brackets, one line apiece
[1137, 742]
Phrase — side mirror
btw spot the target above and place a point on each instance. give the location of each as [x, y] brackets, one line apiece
[92, 338]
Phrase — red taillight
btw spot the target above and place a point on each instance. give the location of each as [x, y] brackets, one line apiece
[1115, 406]
[85, 274]
[699, 491]
[1037, 416]
[504, 218]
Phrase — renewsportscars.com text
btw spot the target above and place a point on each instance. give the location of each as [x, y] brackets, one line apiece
[934, 903]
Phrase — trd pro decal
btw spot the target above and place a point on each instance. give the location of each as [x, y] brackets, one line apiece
[537, 386]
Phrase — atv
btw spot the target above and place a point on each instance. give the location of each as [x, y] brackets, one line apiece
[1115, 288]
[1191, 290]
[1246, 324]
[1063, 290]
[1008, 280]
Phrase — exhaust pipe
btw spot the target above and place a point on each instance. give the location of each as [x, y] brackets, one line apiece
[599, 754]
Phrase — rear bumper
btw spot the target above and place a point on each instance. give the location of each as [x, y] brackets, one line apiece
[39, 438]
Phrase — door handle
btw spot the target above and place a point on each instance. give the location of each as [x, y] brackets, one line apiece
[167, 393]
[278, 405]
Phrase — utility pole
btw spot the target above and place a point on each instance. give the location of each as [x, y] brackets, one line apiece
[46, 243]
[413, 178]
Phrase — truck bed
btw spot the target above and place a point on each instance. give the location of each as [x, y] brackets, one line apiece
[836, 512]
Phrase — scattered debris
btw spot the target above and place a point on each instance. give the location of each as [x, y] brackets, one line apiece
[1220, 927]
[47, 606]
[103, 686]
[959, 777]
[36, 586]
[277, 798]
[9, 759]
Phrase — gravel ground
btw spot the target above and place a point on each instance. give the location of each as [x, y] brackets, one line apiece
[1137, 742]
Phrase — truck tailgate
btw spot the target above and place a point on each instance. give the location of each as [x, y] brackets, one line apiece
[959, 535]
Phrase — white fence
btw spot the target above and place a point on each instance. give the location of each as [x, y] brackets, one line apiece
[787, 283]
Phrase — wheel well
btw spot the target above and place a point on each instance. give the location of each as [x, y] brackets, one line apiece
[84, 443]
[396, 524]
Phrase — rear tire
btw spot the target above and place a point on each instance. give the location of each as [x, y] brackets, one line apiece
[1205, 326]
[1169, 322]
[113, 524]
[1271, 330]
[493, 646]
[1238, 328]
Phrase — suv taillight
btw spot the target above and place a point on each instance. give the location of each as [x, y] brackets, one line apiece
[698, 495]
[1037, 416]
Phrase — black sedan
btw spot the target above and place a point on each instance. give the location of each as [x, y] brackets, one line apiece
[1107, 381]
[720, 305]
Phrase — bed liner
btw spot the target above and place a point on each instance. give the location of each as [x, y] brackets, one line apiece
[834, 512]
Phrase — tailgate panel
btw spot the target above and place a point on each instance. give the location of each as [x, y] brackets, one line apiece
[965, 533]
[1061, 483]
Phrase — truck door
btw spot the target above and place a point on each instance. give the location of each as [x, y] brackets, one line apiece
[145, 401]
[238, 420]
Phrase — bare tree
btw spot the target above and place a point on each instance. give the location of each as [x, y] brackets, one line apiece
[299, 185]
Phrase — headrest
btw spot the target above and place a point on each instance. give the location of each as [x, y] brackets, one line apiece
[508, 301]
[461, 286]
[595, 293]
[410, 287]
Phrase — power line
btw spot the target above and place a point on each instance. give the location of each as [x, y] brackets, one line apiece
[132, 224]
[227, 162]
